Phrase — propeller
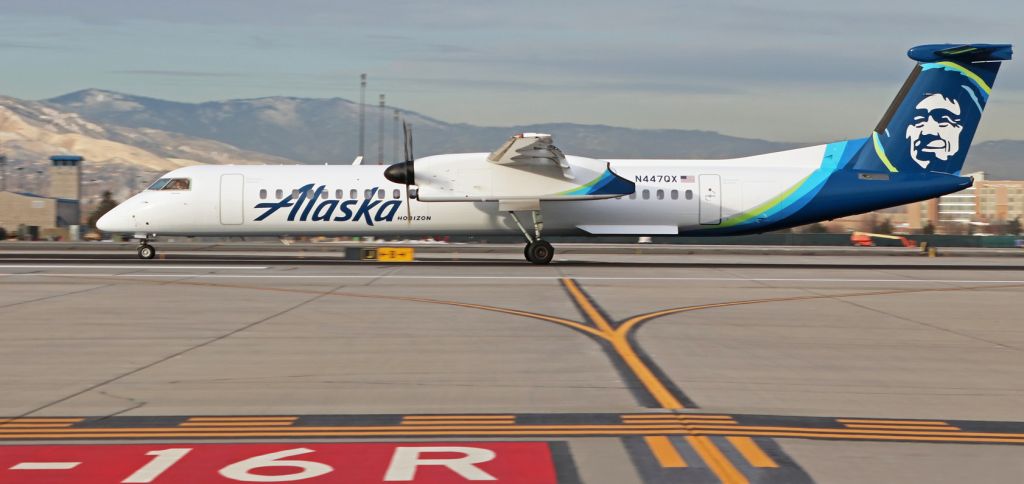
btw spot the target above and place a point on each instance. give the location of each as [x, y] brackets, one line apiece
[409, 172]
[403, 172]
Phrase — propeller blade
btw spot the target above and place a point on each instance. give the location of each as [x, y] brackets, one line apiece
[407, 132]
[408, 206]
[407, 138]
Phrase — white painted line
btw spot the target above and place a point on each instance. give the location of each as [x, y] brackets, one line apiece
[44, 466]
[535, 278]
[142, 266]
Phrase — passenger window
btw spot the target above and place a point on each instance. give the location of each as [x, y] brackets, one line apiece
[367, 194]
[263, 194]
[689, 194]
[178, 184]
[396, 194]
[159, 183]
[279, 193]
[632, 196]
[660, 194]
[675, 194]
[339, 193]
[647, 194]
[295, 194]
[353, 194]
[323, 195]
[380, 194]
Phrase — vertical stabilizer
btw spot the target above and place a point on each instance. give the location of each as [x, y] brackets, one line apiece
[932, 121]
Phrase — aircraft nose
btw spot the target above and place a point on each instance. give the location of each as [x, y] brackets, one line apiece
[115, 220]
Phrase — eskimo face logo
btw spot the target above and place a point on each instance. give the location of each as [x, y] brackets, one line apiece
[934, 131]
[304, 207]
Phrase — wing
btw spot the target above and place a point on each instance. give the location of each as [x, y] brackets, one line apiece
[531, 149]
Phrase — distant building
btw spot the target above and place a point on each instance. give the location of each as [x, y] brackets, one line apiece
[51, 214]
[66, 177]
[1000, 200]
[36, 210]
[986, 204]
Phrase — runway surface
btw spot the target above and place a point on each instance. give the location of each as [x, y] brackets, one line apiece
[665, 368]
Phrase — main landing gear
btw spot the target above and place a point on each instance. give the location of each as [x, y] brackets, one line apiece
[537, 250]
[145, 250]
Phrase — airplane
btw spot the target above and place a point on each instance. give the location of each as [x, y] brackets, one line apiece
[529, 186]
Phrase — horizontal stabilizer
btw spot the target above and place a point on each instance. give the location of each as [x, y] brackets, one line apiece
[961, 52]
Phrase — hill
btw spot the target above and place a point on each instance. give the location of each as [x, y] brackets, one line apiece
[322, 130]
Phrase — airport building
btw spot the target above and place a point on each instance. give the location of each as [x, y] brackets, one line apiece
[52, 214]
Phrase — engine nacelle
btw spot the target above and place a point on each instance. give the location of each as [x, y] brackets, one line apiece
[471, 177]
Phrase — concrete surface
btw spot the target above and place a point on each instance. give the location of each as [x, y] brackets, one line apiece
[828, 336]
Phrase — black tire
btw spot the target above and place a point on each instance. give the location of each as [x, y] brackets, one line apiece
[526, 252]
[540, 252]
[147, 251]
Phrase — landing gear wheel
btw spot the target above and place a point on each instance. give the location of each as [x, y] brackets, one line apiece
[540, 252]
[147, 251]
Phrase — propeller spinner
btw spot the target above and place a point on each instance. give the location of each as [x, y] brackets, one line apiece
[401, 172]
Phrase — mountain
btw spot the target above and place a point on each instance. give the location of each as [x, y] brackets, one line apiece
[319, 130]
[157, 135]
[30, 130]
[1000, 160]
[120, 158]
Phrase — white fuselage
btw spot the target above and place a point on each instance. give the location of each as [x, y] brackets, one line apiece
[672, 197]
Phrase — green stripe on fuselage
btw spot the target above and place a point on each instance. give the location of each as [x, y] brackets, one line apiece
[764, 207]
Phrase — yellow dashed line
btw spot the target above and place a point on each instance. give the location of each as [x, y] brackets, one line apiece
[902, 427]
[746, 448]
[889, 422]
[458, 417]
[239, 419]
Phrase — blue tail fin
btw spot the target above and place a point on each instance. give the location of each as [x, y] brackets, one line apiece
[931, 123]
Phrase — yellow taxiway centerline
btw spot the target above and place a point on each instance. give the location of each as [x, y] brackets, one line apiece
[665, 453]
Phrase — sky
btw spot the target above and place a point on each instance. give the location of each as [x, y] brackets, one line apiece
[786, 70]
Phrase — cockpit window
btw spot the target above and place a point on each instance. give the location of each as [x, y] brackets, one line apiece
[159, 184]
[178, 184]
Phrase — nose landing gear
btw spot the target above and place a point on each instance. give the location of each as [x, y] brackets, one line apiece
[145, 250]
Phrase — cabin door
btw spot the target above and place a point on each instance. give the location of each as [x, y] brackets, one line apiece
[710, 187]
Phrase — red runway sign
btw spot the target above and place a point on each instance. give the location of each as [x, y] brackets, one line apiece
[362, 463]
